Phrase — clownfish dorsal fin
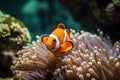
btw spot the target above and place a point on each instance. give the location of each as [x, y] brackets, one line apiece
[61, 25]
[67, 46]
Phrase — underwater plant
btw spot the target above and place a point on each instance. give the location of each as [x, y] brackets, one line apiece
[13, 36]
[92, 58]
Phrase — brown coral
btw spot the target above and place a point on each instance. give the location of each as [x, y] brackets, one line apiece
[91, 59]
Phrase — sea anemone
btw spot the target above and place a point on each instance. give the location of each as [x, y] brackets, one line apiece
[35, 62]
[92, 58]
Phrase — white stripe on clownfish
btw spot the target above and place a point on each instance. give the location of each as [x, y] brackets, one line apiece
[57, 42]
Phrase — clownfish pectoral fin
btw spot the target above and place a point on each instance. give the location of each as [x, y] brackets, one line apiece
[67, 46]
[61, 25]
[44, 39]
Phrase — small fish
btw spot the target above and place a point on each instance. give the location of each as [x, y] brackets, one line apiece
[58, 41]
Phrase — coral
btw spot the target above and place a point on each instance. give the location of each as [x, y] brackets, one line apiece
[92, 58]
[6, 79]
[13, 36]
[13, 33]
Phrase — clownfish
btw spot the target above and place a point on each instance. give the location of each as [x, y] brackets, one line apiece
[58, 41]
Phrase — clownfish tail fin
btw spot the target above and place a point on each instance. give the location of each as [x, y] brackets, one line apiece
[61, 25]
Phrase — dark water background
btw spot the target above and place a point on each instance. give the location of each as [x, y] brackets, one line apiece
[42, 16]
[40, 20]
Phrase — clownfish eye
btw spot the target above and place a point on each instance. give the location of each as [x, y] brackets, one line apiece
[54, 40]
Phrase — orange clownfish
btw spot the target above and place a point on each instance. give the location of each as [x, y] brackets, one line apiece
[58, 41]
